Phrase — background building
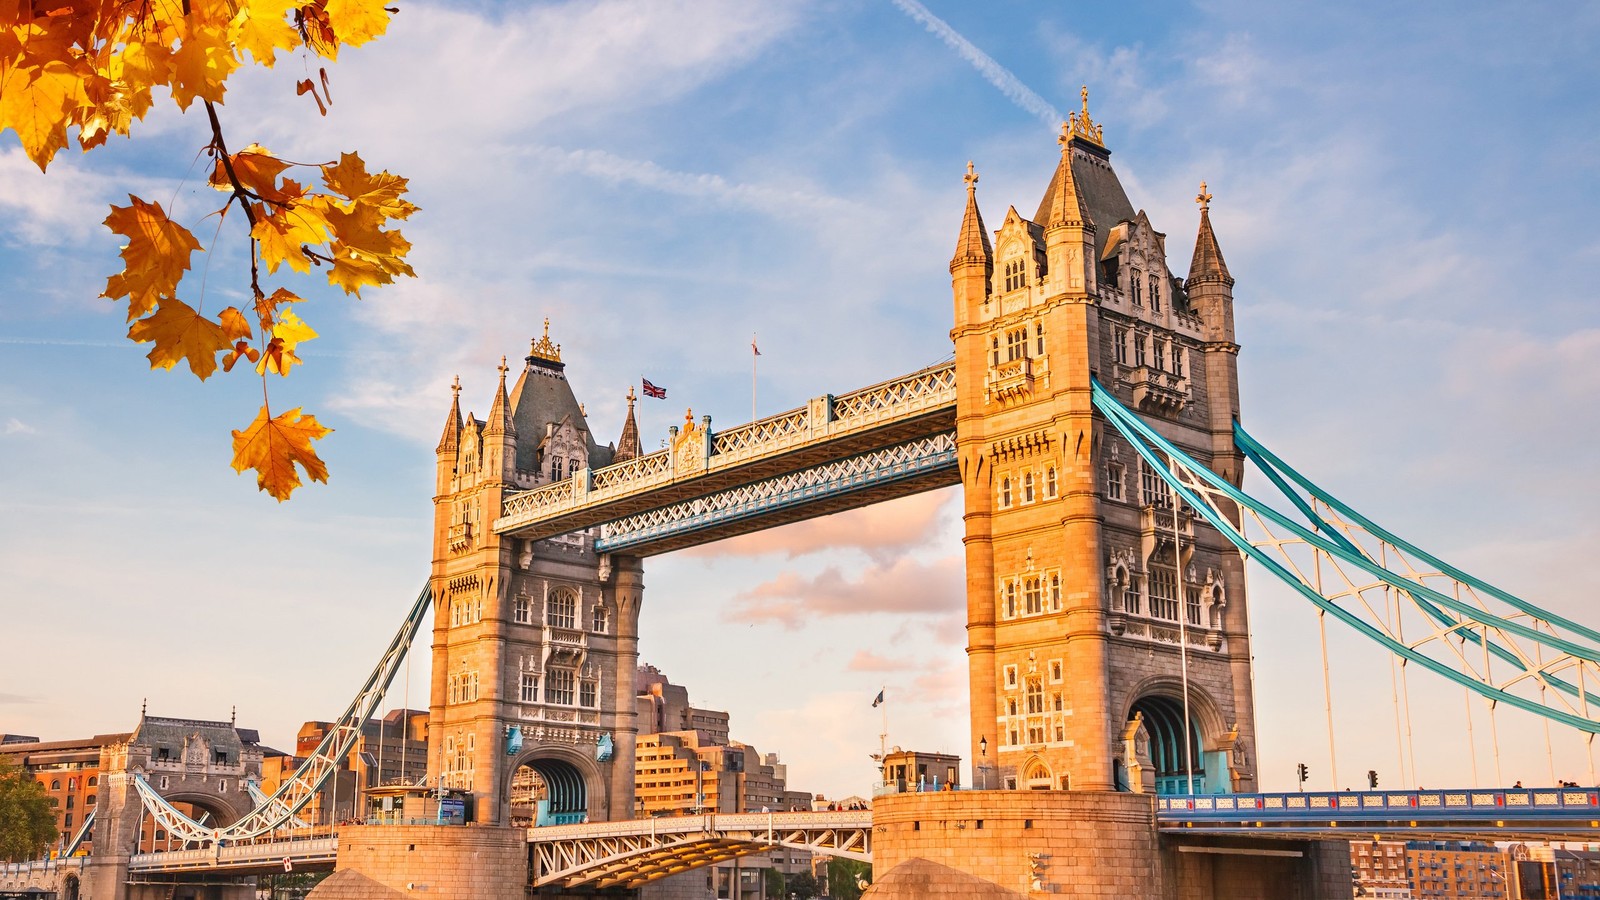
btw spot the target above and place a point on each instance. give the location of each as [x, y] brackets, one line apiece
[694, 766]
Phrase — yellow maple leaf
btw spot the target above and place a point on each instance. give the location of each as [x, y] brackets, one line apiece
[37, 103]
[200, 65]
[349, 179]
[156, 256]
[234, 325]
[287, 333]
[289, 226]
[262, 28]
[179, 332]
[357, 21]
[272, 446]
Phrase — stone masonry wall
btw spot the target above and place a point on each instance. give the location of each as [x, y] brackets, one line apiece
[439, 861]
[1092, 843]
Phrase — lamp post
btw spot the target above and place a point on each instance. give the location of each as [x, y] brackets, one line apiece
[983, 763]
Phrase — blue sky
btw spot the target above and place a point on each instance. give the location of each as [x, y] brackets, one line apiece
[1406, 195]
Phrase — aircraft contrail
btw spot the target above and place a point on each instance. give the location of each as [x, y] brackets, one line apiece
[992, 72]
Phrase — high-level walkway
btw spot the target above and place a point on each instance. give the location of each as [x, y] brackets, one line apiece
[835, 453]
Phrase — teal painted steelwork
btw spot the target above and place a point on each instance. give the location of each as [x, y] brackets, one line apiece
[1143, 438]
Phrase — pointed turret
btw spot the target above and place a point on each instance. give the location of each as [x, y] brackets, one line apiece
[499, 421]
[972, 266]
[628, 446]
[1069, 229]
[500, 434]
[972, 247]
[450, 441]
[1208, 264]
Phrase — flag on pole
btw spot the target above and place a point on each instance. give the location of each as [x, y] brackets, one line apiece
[650, 390]
[878, 700]
[753, 348]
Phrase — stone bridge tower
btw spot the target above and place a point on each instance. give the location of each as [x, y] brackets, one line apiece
[535, 643]
[1089, 590]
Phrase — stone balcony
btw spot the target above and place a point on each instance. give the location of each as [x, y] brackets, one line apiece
[460, 535]
[1011, 380]
[1155, 391]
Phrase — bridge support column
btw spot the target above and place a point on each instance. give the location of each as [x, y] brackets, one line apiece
[441, 860]
[628, 591]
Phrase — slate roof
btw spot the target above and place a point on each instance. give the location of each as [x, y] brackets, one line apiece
[1099, 191]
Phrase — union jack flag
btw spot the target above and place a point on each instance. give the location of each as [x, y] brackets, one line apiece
[650, 390]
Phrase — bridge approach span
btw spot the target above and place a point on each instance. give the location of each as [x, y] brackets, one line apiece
[631, 853]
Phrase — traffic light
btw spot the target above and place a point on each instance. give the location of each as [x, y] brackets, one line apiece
[1304, 773]
[1372, 779]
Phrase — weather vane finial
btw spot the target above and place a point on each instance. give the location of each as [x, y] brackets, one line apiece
[503, 368]
[971, 178]
[1079, 124]
[542, 348]
[1203, 198]
[455, 387]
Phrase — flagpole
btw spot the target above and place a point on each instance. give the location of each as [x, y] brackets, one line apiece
[754, 354]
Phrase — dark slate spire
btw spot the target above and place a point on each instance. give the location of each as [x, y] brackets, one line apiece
[973, 244]
[1207, 264]
[628, 446]
[451, 441]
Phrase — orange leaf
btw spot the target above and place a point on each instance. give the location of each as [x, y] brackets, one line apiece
[156, 256]
[319, 35]
[273, 446]
[267, 307]
[258, 172]
[262, 27]
[240, 348]
[179, 332]
[234, 325]
[200, 66]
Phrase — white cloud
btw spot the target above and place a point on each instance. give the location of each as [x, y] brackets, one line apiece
[905, 586]
[17, 426]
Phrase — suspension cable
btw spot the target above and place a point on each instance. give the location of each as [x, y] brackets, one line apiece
[1183, 641]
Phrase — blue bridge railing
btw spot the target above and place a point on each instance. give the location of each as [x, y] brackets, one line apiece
[1578, 806]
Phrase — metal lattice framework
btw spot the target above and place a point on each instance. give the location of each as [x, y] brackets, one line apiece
[1418, 607]
[632, 853]
[913, 459]
[588, 498]
[279, 809]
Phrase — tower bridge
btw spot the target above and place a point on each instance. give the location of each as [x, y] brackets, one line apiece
[1091, 415]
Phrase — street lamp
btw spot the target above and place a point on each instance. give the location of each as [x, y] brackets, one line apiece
[983, 763]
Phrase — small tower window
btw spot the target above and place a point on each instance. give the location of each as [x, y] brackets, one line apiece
[1114, 477]
[1033, 597]
[1035, 695]
[994, 350]
[1155, 294]
[1050, 483]
[1133, 287]
[1177, 361]
[1016, 274]
[1011, 606]
[1160, 349]
[1139, 340]
[555, 469]
[522, 610]
[1153, 488]
[529, 692]
[1027, 487]
[1005, 491]
[1055, 592]
[1038, 336]
[1017, 343]
[561, 610]
[599, 621]
[1119, 345]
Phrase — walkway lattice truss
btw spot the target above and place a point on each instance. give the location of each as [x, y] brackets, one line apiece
[629, 854]
[279, 809]
[856, 473]
[1420, 608]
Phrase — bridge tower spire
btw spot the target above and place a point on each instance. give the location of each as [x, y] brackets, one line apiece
[1083, 579]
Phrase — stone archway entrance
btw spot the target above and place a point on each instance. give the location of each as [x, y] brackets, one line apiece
[1163, 719]
[547, 792]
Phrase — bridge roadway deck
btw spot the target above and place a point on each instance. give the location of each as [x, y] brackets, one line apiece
[913, 407]
[632, 852]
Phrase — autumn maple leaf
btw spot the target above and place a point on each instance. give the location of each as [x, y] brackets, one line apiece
[155, 258]
[179, 332]
[273, 446]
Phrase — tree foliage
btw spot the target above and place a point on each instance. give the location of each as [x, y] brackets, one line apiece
[845, 877]
[27, 819]
[96, 67]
